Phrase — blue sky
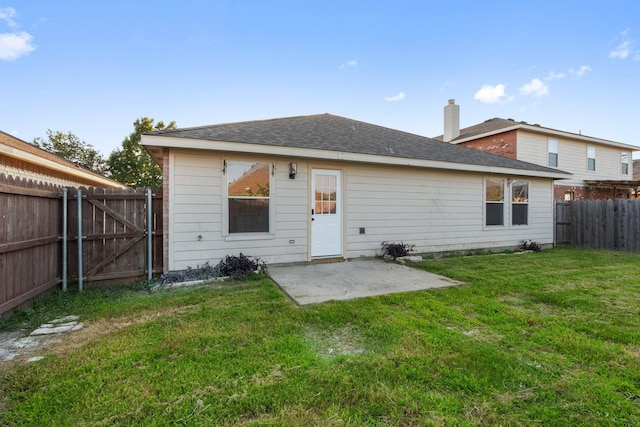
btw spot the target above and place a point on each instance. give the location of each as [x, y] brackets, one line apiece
[92, 68]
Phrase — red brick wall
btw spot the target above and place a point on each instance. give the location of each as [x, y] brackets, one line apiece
[502, 144]
[586, 193]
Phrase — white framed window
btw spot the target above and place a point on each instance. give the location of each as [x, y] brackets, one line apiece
[519, 202]
[624, 163]
[248, 197]
[591, 159]
[494, 201]
[553, 152]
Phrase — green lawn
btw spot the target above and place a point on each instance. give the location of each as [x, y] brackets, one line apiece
[549, 338]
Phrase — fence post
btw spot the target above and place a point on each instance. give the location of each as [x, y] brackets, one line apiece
[149, 235]
[80, 280]
[64, 239]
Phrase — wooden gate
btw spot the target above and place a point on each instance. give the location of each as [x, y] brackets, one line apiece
[114, 247]
[114, 234]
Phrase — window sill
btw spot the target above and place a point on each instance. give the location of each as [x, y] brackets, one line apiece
[493, 227]
[251, 236]
[503, 227]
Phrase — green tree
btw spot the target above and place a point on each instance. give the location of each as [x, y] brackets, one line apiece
[131, 164]
[72, 148]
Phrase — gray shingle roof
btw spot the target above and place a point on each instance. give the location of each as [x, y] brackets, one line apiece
[487, 126]
[334, 133]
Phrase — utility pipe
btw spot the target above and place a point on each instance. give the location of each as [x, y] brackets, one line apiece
[149, 235]
[80, 279]
[64, 239]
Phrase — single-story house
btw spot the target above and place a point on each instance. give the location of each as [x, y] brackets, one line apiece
[304, 188]
[20, 159]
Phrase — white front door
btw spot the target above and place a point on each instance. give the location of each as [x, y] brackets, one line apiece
[326, 213]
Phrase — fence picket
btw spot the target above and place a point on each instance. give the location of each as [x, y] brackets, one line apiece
[610, 224]
[30, 248]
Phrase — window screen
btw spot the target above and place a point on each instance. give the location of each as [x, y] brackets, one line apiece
[494, 202]
[248, 191]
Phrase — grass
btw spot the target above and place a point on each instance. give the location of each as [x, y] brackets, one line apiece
[549, 338]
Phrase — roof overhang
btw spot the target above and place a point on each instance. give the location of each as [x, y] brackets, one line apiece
[612, 184]
[80, 174]
[551, 132]
[155, 146]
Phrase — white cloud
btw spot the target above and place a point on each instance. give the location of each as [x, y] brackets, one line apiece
[581, 71]
[490, 94]
[555, 76]
[535, 87]
[349, 64]
[399, 97]
[7, 14]
[624, 49]
[17, 43]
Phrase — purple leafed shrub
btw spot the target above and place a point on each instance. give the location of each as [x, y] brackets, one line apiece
[207, 271]
[231, 265]
[397, 250]
[530, 245]
[240, 266]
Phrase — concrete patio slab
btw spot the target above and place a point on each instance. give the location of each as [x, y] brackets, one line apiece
[315, 283]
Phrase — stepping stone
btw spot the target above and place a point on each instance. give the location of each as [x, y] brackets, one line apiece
[50, 329]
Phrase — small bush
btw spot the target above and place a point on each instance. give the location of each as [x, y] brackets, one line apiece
[397, 250]
[530, 245]
[240, 266]
[207, 271]
[234, 266]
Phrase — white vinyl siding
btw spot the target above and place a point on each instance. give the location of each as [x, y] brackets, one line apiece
[435, 210]
[572, 158]
[196, 213]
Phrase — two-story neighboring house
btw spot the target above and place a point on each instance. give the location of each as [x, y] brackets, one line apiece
[601, 169]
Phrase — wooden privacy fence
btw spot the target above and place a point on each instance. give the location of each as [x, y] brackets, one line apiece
[602, 224]
[39, 249]
[30, 255]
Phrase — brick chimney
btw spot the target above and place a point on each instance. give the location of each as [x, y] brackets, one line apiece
[451, 121]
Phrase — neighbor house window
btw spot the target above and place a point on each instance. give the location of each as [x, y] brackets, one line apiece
[519, 203]
[591, 158]
[494, 201]
[248, 191]
[624, 158]
[553, 153]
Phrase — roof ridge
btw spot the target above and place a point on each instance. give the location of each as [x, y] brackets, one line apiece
[190, 128]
